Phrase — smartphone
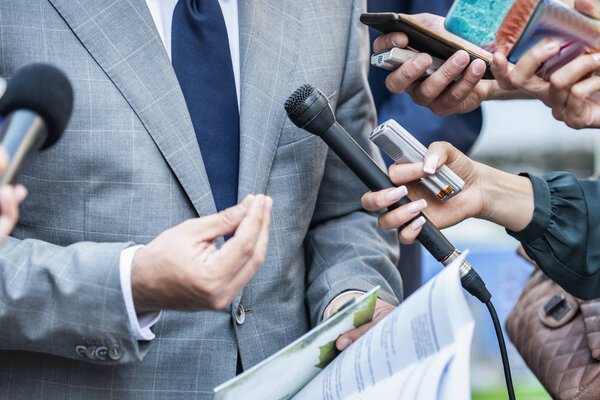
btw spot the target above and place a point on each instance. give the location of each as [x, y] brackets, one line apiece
[394, 58]
[420, 38]
[514, 26]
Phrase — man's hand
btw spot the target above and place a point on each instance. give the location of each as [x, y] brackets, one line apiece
[439, 92]
[183, 270]
[381, 310]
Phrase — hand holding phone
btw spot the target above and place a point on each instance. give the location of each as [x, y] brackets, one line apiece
[423, 38]
[455, 87]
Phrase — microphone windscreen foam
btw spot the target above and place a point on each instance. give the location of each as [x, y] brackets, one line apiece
[45, 90]
[298, 97]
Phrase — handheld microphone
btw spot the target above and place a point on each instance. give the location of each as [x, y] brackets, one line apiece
[36, 107]
[309, 109]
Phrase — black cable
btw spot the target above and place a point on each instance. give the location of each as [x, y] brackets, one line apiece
[503, 353]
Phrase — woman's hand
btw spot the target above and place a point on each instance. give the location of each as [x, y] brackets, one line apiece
[572, 92]
[469, 203]
[503, 198]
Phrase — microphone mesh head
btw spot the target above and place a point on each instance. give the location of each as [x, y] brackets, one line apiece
[298, 97]
[45, 90]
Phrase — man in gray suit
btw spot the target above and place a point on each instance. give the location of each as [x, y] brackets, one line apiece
[79, 296]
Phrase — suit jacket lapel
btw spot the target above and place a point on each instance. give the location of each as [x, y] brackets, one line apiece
[268, 34]
[122, 38]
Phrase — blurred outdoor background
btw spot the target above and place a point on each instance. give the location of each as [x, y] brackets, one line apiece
[517, 136]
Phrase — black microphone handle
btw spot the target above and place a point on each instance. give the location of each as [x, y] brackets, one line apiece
[371, 175]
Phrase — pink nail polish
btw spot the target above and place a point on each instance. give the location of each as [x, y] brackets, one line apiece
[397, 193]
[417, 223]
[430, 164]
[416, 206]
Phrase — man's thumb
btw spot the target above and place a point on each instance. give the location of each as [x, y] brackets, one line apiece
[224, 222]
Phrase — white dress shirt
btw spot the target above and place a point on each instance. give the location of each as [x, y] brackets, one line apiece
[162, 14]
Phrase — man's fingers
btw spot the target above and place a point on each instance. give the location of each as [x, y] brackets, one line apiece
[350, 337]
[460, 90]
[390, 40]
[374, 201]
[528, 65]
[501, 69]
[588, 7]
[579, 113]
[401, 215]
[220, 224]
[400, 80]
[245, 274]
[20, 193]
[381, 310]
[431, 87]
[236, 252]
[567, 76]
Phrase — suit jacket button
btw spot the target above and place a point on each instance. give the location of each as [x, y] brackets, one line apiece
[90, 352]
[115, 353]
[81, 350]
[102, 353]
[240, 315]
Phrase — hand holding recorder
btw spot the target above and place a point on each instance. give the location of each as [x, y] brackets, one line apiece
[488, 193]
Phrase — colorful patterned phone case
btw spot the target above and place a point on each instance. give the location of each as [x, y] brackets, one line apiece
[514, 26]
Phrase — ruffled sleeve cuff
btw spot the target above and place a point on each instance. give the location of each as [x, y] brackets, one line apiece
[541, 214]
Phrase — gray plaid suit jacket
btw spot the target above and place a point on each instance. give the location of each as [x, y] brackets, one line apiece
[128, 167]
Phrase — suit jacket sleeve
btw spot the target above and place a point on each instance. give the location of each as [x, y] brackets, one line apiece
[344, 248]
[564, 232]
[54, 299]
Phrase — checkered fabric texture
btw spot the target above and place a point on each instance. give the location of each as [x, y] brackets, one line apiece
[128, 167]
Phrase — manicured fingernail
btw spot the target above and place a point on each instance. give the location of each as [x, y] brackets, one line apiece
[417, 223]
[397, 193]
[417, 206]
[460, 59]
[430, 164]
[396, 40]
[596, 57]
[345, 342]
[478, 67]
[419, 61]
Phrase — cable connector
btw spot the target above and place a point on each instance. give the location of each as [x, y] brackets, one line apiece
[473, 283]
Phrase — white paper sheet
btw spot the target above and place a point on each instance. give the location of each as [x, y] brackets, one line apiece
[419, 351]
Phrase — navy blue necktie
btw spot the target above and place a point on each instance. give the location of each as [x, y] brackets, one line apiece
[202, 63]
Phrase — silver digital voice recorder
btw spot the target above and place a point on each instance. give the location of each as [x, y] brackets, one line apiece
[403, 148]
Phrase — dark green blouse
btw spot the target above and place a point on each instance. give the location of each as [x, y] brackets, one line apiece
[564, 235]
